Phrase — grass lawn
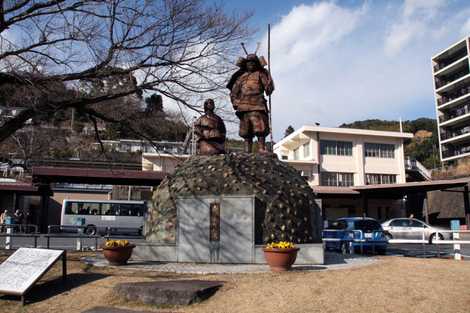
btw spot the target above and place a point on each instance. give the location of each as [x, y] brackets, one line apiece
[394, 284]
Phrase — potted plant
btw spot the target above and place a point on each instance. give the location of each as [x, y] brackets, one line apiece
[117, 252]
[280, 255]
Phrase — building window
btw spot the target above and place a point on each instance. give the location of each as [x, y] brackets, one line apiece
[306, 150]
[379, 150]
[296, 154]
[305, 173]
[333, 147]
[337, 179]
[377, 179]
[284, 157]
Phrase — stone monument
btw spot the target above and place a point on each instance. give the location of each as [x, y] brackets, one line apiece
[209, 187]
[222, 208]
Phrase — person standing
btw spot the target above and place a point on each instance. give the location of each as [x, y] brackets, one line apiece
[19, 216]
[6, 219]
[2, 221]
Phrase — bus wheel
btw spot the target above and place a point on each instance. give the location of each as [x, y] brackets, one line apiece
[90, 230]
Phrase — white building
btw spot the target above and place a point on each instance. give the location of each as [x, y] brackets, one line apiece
[335, 159]
[451, 75]
[162, 162]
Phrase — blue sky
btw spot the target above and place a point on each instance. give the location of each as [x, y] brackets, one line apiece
[340, 61]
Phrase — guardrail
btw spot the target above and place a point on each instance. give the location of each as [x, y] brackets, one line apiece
[424, 241]
[76, 232]
[21, 227]
[82, 229]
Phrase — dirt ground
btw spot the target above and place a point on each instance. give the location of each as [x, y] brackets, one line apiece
[394, 284]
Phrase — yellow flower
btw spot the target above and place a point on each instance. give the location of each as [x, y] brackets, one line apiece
[280, 245]
[116, 243]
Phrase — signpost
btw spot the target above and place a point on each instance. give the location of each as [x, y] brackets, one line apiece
[8, 222]
[25, 267]
[455, 226]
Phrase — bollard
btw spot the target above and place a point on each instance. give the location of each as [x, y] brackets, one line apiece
[455, 226]
[457, 255]
[79, 239]
[79, 222]
[8, 222]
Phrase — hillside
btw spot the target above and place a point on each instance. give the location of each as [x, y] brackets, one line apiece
[423, 147]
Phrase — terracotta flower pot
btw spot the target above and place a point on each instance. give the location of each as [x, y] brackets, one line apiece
[280, 260]
[118, 255]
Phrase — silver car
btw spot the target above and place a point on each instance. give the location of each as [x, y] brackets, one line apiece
[411, 228]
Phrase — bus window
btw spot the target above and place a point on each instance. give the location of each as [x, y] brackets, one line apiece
[110, 209]
[106, 209]
[93, 208]
[71, 208]
[131, 210]
[126, 210]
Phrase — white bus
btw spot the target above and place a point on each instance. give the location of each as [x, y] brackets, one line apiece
[100, 215]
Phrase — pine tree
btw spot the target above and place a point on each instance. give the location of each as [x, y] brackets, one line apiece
[289, 130]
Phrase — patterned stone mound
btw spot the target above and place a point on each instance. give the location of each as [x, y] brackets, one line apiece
[173, 292]
[285, 204]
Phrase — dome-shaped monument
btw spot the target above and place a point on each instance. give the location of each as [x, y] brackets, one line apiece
[285, 208]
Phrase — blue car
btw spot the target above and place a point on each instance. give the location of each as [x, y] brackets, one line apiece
[352, 234]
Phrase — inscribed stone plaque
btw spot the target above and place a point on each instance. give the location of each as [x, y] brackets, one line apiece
[24, 267]
[214, 221]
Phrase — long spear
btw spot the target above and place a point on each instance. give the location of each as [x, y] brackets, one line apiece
[269, 69]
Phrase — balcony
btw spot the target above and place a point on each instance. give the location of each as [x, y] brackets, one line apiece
[445, 80]
[446, 102]
[456, 87]
[455, 152]
[453, 67]
[453, 117]
[447, 135]
[451, 56]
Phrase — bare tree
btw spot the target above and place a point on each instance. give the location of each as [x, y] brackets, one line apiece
[51, 49]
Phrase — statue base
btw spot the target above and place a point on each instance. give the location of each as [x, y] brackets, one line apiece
[227, 207]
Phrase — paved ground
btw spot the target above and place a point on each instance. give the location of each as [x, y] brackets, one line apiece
[332, 261]
[71, 244]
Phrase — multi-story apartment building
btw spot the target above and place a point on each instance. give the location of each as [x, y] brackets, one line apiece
[336, 159]
[451, 73]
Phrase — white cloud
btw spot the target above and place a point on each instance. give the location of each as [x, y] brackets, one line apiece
[322, 24]
[426, 7]
[414, 22]
[465, 31]
[330, 66]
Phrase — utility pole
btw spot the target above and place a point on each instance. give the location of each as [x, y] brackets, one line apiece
[269, 69]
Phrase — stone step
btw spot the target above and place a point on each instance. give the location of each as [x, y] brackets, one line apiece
[173, 292]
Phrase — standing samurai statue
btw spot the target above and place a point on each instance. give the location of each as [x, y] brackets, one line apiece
[210, 131]
[247, 88]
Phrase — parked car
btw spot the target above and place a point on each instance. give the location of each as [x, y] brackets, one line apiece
[411, 228]
[350, 234]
